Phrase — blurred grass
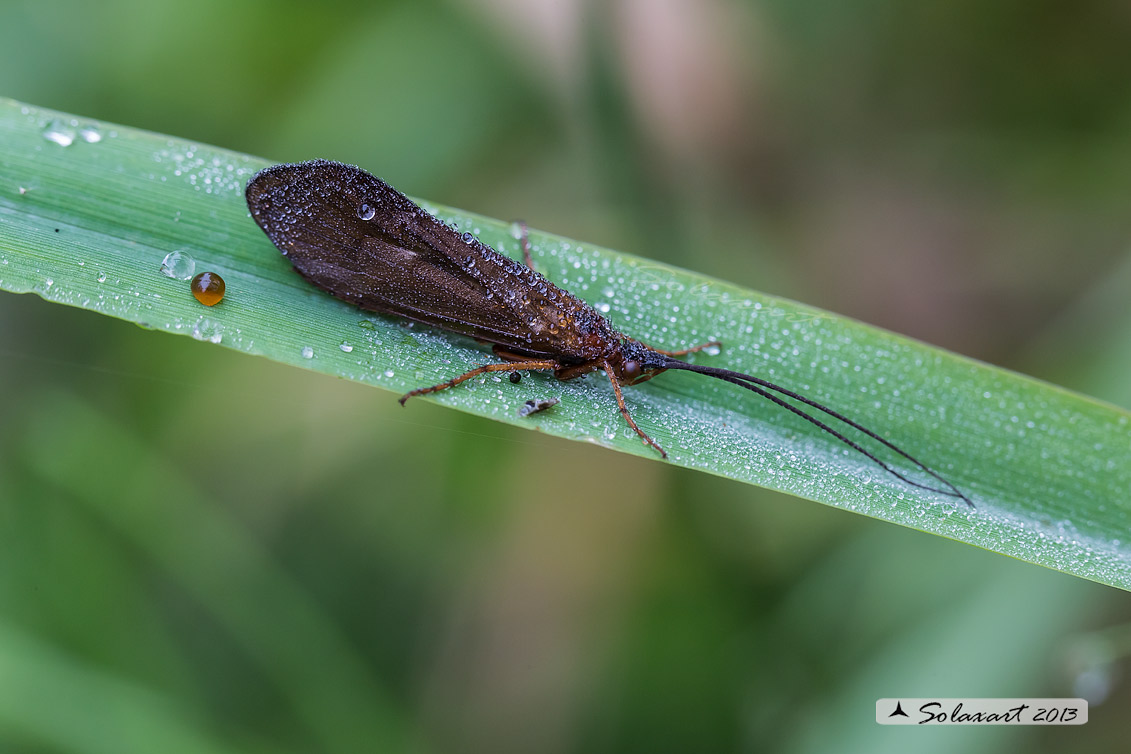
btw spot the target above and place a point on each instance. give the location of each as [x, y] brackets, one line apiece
[86, 222]
[330, 692]
[62, 704]
[952, 170]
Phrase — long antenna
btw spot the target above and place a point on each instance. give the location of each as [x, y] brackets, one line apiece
[757, 384]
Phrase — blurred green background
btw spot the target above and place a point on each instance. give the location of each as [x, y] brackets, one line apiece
[201, 551]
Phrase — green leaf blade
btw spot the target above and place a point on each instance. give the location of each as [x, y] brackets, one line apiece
[88, 225]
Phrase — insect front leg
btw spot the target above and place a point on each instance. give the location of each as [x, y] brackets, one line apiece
[627, 416]
[685, 351]
[516, 366]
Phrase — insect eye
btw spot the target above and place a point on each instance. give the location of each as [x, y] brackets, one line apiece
[631, 369]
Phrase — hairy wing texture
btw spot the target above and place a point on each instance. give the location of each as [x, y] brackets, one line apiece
[356, 237]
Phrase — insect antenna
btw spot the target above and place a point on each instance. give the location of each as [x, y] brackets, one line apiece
[762, 388]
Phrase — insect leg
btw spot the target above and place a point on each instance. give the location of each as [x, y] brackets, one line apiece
[627, 416]
[511, 367]
[503, 353]
[526, 246]
[685, 351]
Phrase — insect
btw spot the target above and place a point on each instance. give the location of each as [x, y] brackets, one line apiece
[533, 406]
[359, 239]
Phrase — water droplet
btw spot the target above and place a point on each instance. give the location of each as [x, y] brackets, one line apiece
[59, 133]
[208, 288]
[469, 237]
[389, 372]
[307, 352]
[366, 212]
[178, 265]
[91, 135]
[346, 347]
[602, 307]
[207, 329]
[712, 350]
[49, 282]
[102, 277]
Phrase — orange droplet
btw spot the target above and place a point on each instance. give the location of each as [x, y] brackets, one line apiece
[208, 287]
